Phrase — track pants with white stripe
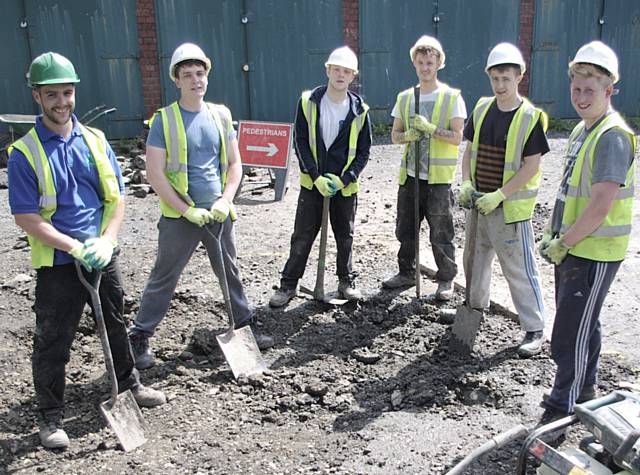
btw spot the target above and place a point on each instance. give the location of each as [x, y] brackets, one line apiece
[514, 246]
[581, 287]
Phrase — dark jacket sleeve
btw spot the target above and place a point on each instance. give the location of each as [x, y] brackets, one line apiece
[362, 154]
[301, 142]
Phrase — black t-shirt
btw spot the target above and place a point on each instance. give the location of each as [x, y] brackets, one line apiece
[493, 144]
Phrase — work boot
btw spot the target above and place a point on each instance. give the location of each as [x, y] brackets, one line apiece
[282, 297]
[401, 279]
[263, 340]
[550, 415]
[445, 290]
[587, 394]
[148, 397]
[142, 354]
[52, 436]
[531, 344]
[347, 290]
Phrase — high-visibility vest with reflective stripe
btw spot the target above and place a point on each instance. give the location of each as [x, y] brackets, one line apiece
[175, 138]
[609, 242]
[31, 147]
[443, 156]
[520, 205]
[310, 110]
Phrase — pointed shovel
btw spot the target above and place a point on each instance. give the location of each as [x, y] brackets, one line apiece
[121, 411]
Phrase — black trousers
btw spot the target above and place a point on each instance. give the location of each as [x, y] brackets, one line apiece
[342, 213]
[435, 205]
[60, 301]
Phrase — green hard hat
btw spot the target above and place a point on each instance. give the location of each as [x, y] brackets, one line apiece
[51, 68]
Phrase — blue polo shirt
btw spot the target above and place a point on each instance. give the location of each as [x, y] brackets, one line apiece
[75, 175]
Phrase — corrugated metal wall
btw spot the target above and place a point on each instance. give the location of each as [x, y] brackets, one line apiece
[561, 27]
[467, 30]
[98, 36]
[284, 49]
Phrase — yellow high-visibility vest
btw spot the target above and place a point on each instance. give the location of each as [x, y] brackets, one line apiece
[609, 242]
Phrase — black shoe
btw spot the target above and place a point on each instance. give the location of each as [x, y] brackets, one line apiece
[549, 416]
[141, 352]
[399, 280]
[347, 289]
[263, 341]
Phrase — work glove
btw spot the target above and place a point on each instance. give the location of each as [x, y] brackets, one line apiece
[79, 253]
[488, 202]
[325, 186]
[421, 124]
[221, 209]
[465, 193]
[337, 182]
[198, 216]
[547, 236]
[99, 251]
[412, 135]
[556, 251]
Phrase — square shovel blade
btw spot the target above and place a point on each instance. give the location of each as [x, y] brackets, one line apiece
[465, 329]
[125, 419]
[241, 352]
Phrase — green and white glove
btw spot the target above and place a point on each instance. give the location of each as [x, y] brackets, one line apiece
[488, 202]
[79, 253]
[411, 135]
[198, 216]
[557, 250]
[420, 123]
[337, 182]
[221, 209]
[99, 251]
[464, 196]
[325, 186]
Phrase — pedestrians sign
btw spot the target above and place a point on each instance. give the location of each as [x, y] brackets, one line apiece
[265, 144]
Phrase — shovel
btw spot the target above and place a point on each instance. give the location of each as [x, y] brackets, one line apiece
[467, 321]
[318, 291]
[121, 411]
[416, 198]
[237, 344]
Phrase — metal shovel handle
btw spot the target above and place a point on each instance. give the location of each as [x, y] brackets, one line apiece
[224, 284]
[318, 291]
[416, 192]
[93, 290]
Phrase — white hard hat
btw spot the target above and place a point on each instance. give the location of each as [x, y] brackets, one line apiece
[428, 42]
[505, 53]
[185, 52]
[344, 57]
[599, 54]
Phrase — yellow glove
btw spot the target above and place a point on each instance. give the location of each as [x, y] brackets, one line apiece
[232, 212]
[99, 251]
[420, 123]
[556, 251]
[464, 196]
[221, 209]
[79, 253]
[488, 202]
[198, 216]
[325, 186]
[337, 182]
[411, 135]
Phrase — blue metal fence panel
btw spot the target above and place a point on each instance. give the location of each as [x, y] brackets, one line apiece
[467, 30]
[100, 38]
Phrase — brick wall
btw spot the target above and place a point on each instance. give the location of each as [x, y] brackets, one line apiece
[525, 38]
[149, 63]
[351, 31]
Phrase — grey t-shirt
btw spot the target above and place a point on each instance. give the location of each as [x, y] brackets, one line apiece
[203, 154]
[611, 162]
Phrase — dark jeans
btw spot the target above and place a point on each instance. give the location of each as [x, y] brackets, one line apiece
[435, 205]
[342, 213]
[581, 287]
[60, 300]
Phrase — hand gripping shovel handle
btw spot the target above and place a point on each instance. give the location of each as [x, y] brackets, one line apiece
[222, 274]
[416, 193]
[101, 327]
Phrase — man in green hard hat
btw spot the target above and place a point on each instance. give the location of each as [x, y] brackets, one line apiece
[66, 193]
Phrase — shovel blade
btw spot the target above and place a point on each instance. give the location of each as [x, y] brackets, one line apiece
[322, 297]
[465, 329]
[125, 419]
[241, 352]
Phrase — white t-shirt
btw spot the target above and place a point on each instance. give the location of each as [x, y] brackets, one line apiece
[332, 115]
[427, 102]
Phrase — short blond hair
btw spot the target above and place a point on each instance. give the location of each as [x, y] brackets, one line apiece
[588, 70]
[427, 50]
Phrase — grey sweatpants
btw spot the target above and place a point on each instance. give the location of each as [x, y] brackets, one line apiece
[177, 240]
[514, 246]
